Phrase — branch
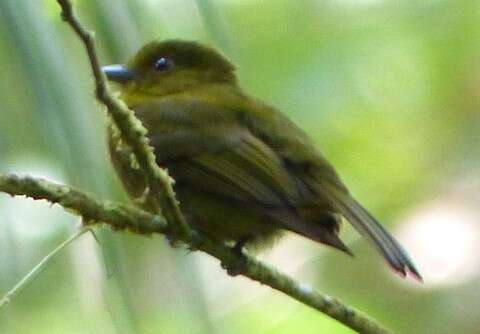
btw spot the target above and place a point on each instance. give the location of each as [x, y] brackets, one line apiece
[161, 189]
[132, 131]
[120, 217]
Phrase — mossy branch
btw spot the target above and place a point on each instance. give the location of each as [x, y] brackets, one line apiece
[121, 217]
[160, 184]
[118, 216]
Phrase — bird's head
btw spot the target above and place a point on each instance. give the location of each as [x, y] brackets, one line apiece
[161, 68]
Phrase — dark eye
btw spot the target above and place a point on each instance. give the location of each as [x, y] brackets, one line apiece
[163, 64]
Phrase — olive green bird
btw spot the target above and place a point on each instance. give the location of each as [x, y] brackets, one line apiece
[244, 172]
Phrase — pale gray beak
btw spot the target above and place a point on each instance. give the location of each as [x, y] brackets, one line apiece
[118, 73]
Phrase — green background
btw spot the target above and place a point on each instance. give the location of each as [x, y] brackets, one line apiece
[390, 91]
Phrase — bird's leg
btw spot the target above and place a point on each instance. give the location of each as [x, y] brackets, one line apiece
[240, 244]
[237, 265]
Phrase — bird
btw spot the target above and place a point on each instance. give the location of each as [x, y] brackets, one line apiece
[244, 172]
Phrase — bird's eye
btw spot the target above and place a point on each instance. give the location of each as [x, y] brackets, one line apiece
[163, 64]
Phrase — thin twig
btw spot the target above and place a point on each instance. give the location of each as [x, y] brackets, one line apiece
[132, 131]
[120, 216]
[40, 265]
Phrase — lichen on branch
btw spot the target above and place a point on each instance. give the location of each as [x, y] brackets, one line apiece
[126, 217]
[160, 184]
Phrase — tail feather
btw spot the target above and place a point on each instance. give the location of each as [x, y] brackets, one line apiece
[370, 228]
[314, 231]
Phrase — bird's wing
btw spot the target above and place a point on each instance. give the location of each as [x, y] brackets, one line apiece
[207, 150]
[312, 170]
[204, 147]
[237, 165]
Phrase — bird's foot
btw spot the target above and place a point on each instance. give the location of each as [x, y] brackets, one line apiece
[236, 265]
[240, 245]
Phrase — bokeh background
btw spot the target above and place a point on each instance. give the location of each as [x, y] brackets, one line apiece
[389, 90]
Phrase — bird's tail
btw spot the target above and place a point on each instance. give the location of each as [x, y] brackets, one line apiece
[371, 229]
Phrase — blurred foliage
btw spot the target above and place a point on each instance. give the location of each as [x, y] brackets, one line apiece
[389, 90]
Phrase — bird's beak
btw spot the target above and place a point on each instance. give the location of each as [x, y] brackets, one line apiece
[118, 73]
